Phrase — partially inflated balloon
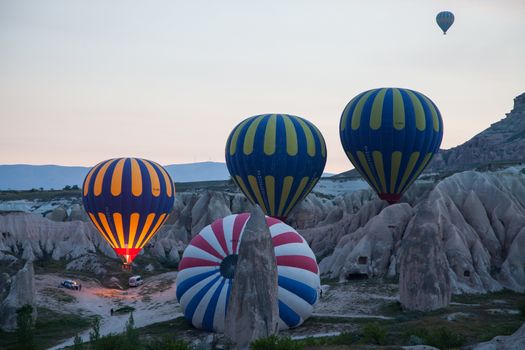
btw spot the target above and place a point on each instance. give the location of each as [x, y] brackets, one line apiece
[390, 135]
[207, 270]
[445, 20]
[276, 160]
[128, 200]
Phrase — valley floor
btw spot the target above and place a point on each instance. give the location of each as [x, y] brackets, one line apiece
[342, 316]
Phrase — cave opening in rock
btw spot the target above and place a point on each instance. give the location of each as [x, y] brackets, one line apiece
[362, 260]
[355, 276]
[466, 273]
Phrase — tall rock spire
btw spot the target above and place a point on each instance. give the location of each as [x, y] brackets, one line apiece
[252, 311]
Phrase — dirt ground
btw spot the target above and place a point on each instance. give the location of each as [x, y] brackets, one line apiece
[153, 302]
[343, 308]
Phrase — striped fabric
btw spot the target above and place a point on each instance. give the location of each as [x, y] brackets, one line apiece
[445, 19]
[390, 135]
[276, 160]
[128, 200]
[207, 268]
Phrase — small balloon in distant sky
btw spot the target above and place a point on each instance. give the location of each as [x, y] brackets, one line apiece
[445, 19]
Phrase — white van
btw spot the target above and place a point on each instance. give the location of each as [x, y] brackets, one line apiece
[135, 281]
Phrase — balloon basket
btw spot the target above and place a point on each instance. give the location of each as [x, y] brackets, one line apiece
[126, 267]
[391, 198]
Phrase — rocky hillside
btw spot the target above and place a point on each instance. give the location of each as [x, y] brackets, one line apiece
[479, 221]
[503, 141]
[461, 234]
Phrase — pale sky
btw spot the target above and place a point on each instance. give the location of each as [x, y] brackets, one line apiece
[83, 81]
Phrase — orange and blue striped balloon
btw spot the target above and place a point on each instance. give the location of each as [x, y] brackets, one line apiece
[276, 160]
[128, 200]
[390, 135]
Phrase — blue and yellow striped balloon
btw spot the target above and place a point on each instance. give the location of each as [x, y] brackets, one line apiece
[276, 160]
[128, 200]
[390, 135]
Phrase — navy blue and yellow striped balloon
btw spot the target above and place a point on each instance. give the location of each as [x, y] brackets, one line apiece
[128, 200]
[390, 135]
[276, 160]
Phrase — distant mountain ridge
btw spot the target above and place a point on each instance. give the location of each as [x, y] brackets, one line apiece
[26, 177]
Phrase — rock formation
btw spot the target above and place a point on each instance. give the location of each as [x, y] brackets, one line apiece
[58, 214]
[209, 207]
[21, 292]
[366, 252]
[42, 238]
[515, 341]
[424, 282]
[252, 311]
[481, 216]
[502, 141]
[481, 220]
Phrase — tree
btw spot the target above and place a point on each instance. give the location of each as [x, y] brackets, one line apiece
[67, 188]
[77, 343]
[24, 328]
[131, 332]
[94, 335]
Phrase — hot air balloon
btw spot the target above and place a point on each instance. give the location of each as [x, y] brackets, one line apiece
[444, 20]
[128, 200]
[276, 160]
[390, 135]
[207, 269]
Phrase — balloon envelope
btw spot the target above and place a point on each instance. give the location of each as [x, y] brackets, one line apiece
[276, 160]
[445, 19]
[207, 268]
[390, 135]
[128, 199]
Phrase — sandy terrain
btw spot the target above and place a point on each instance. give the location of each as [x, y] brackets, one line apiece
[154, 302]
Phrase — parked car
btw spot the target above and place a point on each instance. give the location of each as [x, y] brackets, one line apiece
[70, 284]
[135, 281]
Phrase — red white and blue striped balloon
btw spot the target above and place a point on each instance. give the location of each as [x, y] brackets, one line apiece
[207, 268]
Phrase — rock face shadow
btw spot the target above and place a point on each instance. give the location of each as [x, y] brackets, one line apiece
[252, 310]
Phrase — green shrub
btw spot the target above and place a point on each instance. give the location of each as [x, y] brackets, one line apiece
[132, 334]
[77, 343]
[168, 344]
[421, 333]
[275, 343]
[373, 333]
[124, 310]
[344, 339]
[24, 328]
[441, 338]
[444, 338]
[94, 335]
[115, 342]
[521, 305]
